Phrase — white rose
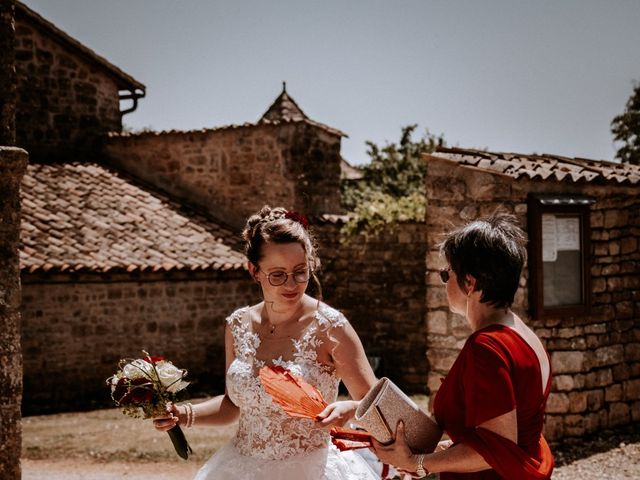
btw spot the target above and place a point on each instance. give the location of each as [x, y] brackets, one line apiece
[138, 369]
[171, 377]
[113, 381]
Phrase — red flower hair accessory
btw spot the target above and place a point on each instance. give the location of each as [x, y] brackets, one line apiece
[301, 218]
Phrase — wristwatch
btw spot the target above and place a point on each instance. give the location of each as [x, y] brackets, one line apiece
[420, 467]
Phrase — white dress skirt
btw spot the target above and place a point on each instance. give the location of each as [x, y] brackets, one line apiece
[323, 463]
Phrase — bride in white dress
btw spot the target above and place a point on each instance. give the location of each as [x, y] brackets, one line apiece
[293, 330]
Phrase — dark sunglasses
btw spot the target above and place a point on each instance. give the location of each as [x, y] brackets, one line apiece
[445, 275]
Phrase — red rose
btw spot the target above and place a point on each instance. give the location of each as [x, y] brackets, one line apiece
[120, 392]
[153, 359]
[138, 390]
[141, 390]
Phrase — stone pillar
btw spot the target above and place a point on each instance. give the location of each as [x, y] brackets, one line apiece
[13, 162]
[7, 74]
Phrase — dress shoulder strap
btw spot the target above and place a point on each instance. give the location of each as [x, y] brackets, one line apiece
[329, 317]
[237, 317]
[245, 342]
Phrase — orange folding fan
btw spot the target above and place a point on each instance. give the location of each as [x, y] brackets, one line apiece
[348, 439]
[296, 397]
[300, 399]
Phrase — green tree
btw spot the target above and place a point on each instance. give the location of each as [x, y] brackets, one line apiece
[626, 129]
[392, 186]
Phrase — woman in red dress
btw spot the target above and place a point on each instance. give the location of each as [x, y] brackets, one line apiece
[491, 404]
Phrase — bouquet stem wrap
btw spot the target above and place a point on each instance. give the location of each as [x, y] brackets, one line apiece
[180, 442]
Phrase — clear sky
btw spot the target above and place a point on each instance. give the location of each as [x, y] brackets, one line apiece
[543, 76]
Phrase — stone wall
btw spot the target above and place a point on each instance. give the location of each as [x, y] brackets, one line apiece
[65, 103]
[378, 283]
[75, 330]
[595, 357]
[7, 74]
[234, 171]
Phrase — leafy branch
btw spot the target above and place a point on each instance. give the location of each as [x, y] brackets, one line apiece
[392, 187]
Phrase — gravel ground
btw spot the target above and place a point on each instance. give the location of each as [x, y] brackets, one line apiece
[610, 455]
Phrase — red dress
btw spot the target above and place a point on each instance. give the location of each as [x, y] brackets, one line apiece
[496, 371]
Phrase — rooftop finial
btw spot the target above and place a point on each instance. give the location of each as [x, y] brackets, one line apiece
[284, 108]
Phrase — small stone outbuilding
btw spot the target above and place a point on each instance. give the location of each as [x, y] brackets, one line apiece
[285, 158]
[581, 289]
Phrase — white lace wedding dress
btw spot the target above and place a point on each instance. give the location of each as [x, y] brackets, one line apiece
[269, 443]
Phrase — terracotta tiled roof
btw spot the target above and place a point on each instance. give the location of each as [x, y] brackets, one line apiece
[157, 133]
[543, 166]
[125, 81]
[154, 133]
[308, 121]
[85, 217]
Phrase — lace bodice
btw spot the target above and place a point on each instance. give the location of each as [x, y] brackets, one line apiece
[264, 429]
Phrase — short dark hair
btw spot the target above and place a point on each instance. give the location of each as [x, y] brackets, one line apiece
[492, 250]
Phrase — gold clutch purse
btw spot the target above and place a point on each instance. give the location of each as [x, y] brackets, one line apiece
[385, 405]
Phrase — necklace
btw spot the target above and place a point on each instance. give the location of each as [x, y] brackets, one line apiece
[272, 326]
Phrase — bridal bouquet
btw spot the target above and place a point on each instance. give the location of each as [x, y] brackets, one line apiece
[142, 388]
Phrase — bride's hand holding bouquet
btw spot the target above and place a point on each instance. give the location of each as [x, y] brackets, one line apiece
[174, 416]
[148, 387]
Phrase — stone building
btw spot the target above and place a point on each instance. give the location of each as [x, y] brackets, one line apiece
[285, 159]
[581, 289]
[68, 96]
[109, 268]
[109, 265]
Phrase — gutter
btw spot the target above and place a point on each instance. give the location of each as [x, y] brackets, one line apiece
[133, 94]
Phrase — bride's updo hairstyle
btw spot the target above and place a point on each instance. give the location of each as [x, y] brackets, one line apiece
[277, 225]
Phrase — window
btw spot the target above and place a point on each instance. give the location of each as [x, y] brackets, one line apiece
[559, 255]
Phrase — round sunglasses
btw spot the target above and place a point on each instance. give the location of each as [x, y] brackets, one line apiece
[444, 274]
